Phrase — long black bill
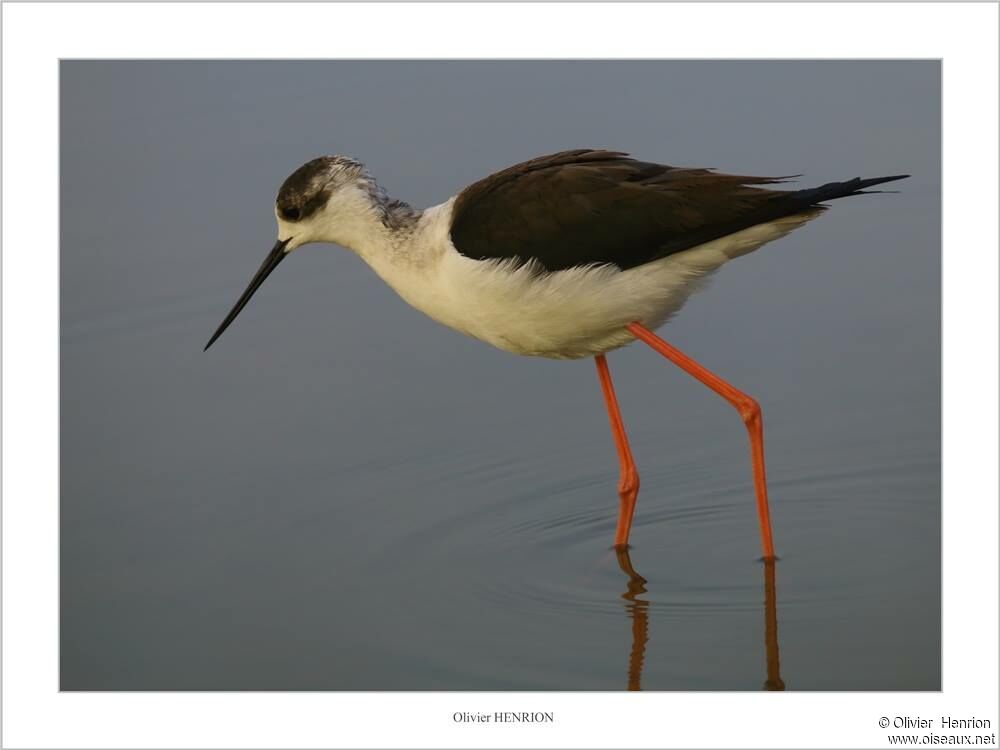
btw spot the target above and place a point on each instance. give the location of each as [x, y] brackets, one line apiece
[271, 262]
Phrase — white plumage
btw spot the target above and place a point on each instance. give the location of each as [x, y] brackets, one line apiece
[568, 314]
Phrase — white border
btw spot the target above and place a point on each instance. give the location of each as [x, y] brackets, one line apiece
[36, 36]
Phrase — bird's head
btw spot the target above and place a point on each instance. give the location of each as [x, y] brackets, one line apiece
[322, 200]
[329, 199]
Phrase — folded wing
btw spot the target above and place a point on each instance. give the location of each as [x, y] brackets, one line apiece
[584, 207]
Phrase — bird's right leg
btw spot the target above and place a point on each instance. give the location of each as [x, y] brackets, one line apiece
[628, 483]
[749, 412]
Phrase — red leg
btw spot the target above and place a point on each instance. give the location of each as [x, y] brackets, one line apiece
[749, 412]
[628, 483]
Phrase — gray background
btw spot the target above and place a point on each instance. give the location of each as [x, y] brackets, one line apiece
[342, 494]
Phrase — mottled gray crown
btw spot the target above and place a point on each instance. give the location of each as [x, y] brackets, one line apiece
[308, 188]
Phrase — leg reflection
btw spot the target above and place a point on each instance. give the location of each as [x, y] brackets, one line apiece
[774, 681]
[637, 612]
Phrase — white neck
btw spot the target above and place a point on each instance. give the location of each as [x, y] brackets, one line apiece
[403, 246]
[353, 219]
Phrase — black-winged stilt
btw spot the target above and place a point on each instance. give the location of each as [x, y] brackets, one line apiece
[568, 255]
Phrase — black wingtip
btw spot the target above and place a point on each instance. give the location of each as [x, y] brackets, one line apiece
[833, 190]
[862, 184]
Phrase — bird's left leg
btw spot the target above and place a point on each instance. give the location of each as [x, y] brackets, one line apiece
[628, 483]
[749, 412]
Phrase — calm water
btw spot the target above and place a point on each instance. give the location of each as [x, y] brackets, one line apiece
[343, 495]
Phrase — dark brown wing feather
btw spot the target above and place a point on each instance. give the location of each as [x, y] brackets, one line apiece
[585, 207]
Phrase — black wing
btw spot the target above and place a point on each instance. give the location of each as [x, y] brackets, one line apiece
[584, 207]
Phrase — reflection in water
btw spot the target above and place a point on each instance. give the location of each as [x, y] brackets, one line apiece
[774, 681]
[637, 610]
[638, 614]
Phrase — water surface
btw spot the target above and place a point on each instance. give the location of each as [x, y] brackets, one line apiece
[343, 495]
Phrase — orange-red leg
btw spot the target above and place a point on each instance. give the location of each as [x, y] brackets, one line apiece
[749, 412]
[628, 483]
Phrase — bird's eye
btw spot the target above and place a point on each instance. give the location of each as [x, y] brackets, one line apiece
[291, 213]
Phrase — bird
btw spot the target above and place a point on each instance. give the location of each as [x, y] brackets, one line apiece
[570, 255]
